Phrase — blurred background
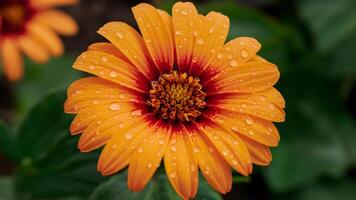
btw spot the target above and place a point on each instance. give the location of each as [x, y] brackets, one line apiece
[314, 45]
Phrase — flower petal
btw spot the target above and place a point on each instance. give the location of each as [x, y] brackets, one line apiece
[181, 168]
[251, 127]
[235, 53]
[185, 18]
[110, 68]
[11, 59]
[245, 78]
[131, 44]
[109, 49]
[33, 49]
[260, 154]
[57, 20]
[272, 95]
[148, 156]
[47, 37]
[41, 4]
[230, 146]
[119, 149]
[156, 34]
[251, 104]
[210, 37]
[212, 165]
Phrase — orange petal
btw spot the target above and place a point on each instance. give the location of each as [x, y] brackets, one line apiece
[11, 59]
[235, 53]
[230, 146]
[245, 78]
[148, 156]
[260, 154]
[47, 37]
[110, 68]
[156, 34]
[251, 104]
[212, 165]
[40, 4]
[105, 125]
[272, 95]
[57, 20]
[130, 43]
[167, 19]
[109, 49]
[251, 127]
[118, 151]
[210, 36]
[181, 168]
[33, 49]
[185, 19]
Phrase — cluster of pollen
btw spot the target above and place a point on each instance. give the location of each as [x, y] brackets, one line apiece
[177, 97]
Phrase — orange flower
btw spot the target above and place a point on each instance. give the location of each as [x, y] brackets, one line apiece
[30, 26]
[177, 93]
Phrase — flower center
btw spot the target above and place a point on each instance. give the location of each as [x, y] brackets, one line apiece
[177, 97]
[13, 16]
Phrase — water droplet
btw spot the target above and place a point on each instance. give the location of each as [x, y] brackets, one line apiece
[251, 132]
[211, 30]
[200, 41]
[178, 32]
[271, 106]
[195, 32]
[128, 136]
[173, 174]
[234, 161]
[120, 35]
[235, 128]
[136, 113]
[184, 12]
[113, 74]
[244, 53]
[233, 63]
[105, 58]
[115, 106]
[161, 141]
[219, 55]
[114, 146]
[262, 98]
[92, 67]
[211, 149]
[140, 150]
[149, 165]
[249, 121]
[244, 105]
[173, 148]
[173, 141]
[196, 149]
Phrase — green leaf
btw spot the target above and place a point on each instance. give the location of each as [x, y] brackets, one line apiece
[7, 146]
[318, 136]
[340, 190]
[7, 188]
[158, 188]
[333, 25]
[51, 166]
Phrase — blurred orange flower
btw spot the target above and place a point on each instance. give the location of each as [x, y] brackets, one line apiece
[30, 26]
[178, 94]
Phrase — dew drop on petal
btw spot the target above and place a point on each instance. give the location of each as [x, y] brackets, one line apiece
[128, 136]
[161, 141]
[113, 74]
[173, 148]
[196, 149]
[149, 165]
[136, 113]
[92, 67]
[233, 63]
[244, 53]
[105, 59]
[173, 175]
[219, 55]
[115, 106]
[140, 150]
[200, 41]
[249, 121]
[184, 12]
[251, 132]
[120, 35]
[178, 32]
